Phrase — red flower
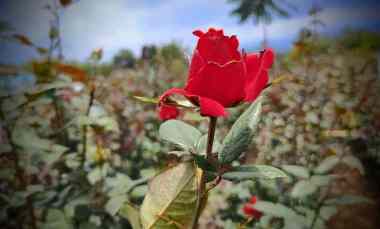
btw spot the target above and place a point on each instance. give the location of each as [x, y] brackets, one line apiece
[168, 112]
[250, 211]
[220, 76]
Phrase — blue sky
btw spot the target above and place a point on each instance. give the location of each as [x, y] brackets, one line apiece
[116, 24]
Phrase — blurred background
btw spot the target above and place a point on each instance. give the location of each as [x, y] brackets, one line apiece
[76, 145]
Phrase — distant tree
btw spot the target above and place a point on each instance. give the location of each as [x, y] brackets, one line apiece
[316, 21]
[124, 59]
[172, 51]
[5, 27]
[148, 52]
[261, 11]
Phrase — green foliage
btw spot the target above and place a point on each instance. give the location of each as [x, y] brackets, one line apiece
[253, 172]
[171, 199]
[348, 199]
[260, 11]
[124, 59]
[180, 133]
[360, 40]
[132, 214]
[298, 171]
[240, 135]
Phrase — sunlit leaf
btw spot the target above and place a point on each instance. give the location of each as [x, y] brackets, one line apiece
[320, 180]
[171, 198]
[114, 204]
[146, 99]
[303, 188]
[297, 171]
[180, 133]
[241, 133]
[95, 175]
[353, 162]
[277, 210]
[131, 214]
[291, 219]
[248, 172]
[327, 164]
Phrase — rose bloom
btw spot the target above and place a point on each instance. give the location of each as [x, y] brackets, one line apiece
[249, 209]
[220, 75]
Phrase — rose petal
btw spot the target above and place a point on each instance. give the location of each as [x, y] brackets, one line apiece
[172, 91]
[198, 33]
[250, 211]
[253, 200]
[224, 84]
[167, 112]
[256, 62]
[257, 78]
[197, 63]
[216, 47]
[252, 61]
[267, 58]
[254, 88]
[210, 107]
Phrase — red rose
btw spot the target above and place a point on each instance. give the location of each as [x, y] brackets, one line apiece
[220, 75]
[168, 112]
[250, 211]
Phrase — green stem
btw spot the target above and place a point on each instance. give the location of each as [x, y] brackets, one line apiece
[202, 180]
[85, 127]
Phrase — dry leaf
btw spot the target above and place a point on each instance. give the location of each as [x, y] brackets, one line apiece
[75, 73]
[22, 39]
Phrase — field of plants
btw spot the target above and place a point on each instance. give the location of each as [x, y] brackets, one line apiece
[244, 140]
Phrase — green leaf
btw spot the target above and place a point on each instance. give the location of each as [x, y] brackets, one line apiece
[320, 180]
[241, 133]
[180, 133]
[202, 145]
[43, 88]
[248, 172]
[171, 198]
[348, 199]
[303, 188]
[146, 99]
[327, 164]
[297, 171]
[95, 175]
[4, 148]
[277, 210]
[291, 218]
[353, 162]
[203, 163]
[56, 219]
[131, 214]
[115, 203]
[327, 212]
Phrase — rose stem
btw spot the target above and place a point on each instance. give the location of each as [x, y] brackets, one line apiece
[210, 137]
[202, 180]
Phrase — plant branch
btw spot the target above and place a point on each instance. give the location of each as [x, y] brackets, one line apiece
[85, 127]
[202, 180]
